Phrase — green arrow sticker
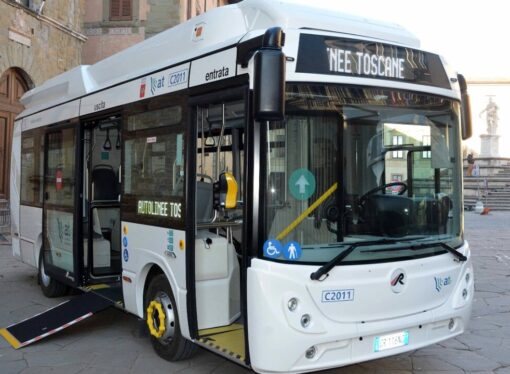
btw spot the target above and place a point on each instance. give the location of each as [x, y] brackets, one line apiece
[302, 184]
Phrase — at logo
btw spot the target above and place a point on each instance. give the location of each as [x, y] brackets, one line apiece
[441, 282]
[398, 280]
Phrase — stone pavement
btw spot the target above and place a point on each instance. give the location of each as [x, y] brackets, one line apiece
[111, 343]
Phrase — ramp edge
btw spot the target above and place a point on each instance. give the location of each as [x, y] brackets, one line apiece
[10, 338]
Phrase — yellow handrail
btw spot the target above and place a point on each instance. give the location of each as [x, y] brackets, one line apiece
[307, 212]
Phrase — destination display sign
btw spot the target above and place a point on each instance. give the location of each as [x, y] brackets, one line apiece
[321, 54]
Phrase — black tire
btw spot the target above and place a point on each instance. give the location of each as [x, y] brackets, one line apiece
[49, 286]
[177, 347]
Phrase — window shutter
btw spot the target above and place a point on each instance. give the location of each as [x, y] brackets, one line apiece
[120, 9]
[114, 8]
[126, 8]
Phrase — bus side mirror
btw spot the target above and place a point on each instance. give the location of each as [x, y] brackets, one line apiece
[466, 125]
[269, 84]
[225, 192]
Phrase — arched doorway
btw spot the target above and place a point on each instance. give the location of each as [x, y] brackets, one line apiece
[12, 86]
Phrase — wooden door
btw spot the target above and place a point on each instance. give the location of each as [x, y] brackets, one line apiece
[12, 87]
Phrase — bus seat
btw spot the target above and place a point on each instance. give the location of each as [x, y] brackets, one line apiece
[104, 183]
[204, 202]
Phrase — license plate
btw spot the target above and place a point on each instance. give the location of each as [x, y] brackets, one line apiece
[398, 339]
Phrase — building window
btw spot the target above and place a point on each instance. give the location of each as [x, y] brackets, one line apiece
[396, 177]
[121, 10]
[398, 140]
[426, 142]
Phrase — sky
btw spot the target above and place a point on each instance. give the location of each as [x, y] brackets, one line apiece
[473, 36]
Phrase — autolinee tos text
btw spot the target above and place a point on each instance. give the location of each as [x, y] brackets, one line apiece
[159, 208]
[345, 61]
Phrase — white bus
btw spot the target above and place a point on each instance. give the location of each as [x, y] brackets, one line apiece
[277, 183]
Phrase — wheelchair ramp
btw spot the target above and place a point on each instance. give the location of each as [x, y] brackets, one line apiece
[55, 319]
[226, 340]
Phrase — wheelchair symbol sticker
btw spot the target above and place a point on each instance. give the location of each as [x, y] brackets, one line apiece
[272, 248]
[125, 241]
[292, 251]
[126, 254]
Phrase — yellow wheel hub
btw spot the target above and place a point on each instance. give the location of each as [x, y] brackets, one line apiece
[156, 307]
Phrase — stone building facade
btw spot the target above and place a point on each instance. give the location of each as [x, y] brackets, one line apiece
[113, 25]
[41, 39]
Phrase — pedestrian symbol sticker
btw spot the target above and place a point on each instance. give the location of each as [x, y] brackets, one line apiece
[292, 251]
[272, 248]
[302, 184]
[126, 254]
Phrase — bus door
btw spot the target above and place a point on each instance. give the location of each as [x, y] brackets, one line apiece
[60, 229]
[101, 198]
[220, 131]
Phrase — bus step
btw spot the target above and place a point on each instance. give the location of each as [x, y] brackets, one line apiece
[227, 341]
[54, 320]
[111, 292]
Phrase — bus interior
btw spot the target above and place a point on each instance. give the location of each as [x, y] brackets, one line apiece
[220, 129]
[101, 200]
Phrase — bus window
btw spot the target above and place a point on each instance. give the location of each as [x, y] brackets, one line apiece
[153, 168]
[32, 167]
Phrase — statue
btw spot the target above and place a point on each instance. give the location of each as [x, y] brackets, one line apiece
[491, 111]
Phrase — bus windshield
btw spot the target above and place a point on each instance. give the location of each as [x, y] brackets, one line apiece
[352, 164]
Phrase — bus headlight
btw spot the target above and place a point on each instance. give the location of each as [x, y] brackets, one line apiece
[292, 304]
[305, 320]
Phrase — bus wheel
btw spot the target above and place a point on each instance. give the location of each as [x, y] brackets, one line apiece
[49, 286]
[163, 322]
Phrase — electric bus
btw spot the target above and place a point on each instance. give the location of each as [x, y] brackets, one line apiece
[277, 183]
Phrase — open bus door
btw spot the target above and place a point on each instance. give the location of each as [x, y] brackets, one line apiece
[61, 230]
[217, 260]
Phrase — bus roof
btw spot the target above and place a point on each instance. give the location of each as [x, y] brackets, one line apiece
[213, 30]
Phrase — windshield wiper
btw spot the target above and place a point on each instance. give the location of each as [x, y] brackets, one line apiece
[324, 269]
[445, 246]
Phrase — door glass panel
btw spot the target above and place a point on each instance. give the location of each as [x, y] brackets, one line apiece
[59, 200]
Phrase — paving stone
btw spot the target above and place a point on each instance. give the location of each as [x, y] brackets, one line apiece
[12, 367]
[395, 363]
[57, 358]
[229, 368]
[474, 341]
[423, 363]
[469, 361]
[453, 344]
[8, 354]
[104, 370]
[149, 362]
[64, 369]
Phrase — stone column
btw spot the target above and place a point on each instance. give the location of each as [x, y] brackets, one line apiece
[490, 145]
